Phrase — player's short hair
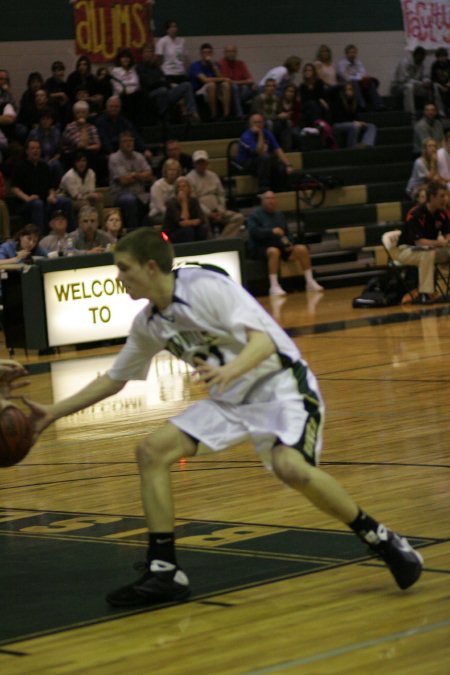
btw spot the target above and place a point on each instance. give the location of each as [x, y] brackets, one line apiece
[146, 244]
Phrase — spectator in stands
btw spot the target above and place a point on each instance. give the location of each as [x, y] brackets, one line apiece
[269, 239]
[4, 213]
[103, 83]
[440, 77]
[82, 94]
[171, 50]
[79, 183]
[56, 85]
[426, 226]
[162, 190]
[260, 154]
[287, 121]
[208, 82]
[209, 190]
[88, 238]
[429, 126]
[283, 75]
[22, 247]
[57, 241]
[80, 135]
[129, 177]
[111, 123]
[266, 103]
[325, 68]
[425, 168]
[82, 76]
[56, 88]
[27, 115]
[43, 102]
[161, 93]
[242, 84]
[125, 82]
[8, 111]
[32, 186]
[443, 160]
[314, 105]
[172, 150]
[113, 223]
[184, 220]
[312, 97]
[344, 114]
[3, 144]
[351, 69]
[410, 80]
[49, 136]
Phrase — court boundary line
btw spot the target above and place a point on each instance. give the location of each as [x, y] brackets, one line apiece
[348, 649]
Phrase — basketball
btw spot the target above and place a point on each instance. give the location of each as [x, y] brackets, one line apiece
[15, 435]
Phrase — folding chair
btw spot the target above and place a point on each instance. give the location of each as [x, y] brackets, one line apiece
[406, 275]
[443, 281]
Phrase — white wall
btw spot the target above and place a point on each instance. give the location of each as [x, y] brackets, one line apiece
[379, 52]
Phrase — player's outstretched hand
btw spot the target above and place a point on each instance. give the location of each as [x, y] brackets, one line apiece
[9, 372]
[41, 417]
[213, 376]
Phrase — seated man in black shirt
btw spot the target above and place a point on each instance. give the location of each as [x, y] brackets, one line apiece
[425, 239]
[160, 90]
[31, 184]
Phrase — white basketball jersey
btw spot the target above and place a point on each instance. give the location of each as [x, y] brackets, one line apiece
[208, 318]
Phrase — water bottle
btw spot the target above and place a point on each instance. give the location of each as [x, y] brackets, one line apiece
[70, 249]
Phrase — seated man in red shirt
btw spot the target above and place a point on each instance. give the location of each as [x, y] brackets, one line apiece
[243, 87]
[425, 239]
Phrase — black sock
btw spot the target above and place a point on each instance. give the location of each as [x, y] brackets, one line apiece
[365, 528]
[161, 546]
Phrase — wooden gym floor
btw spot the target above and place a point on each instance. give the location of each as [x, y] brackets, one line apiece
[278, 586]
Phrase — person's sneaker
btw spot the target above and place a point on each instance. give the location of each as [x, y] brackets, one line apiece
[313, 286]
[277, 290]
[161, 582]
[403, 561]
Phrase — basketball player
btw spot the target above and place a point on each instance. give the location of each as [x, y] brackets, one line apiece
[259, 389]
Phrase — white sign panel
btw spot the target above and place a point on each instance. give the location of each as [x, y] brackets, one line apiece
[168, 384]
[426, 23]
[88, 304]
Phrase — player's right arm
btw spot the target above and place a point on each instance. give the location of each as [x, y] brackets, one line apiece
[97, 390]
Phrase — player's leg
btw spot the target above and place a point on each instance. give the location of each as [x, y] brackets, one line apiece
[319, 487]
[273, 263]
[162, 579]
[300, 254]
[291, 466]
[155, 455]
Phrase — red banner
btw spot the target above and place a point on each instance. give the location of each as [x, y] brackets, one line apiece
[104, 26]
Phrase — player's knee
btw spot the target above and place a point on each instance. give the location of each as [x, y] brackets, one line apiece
[290, 467]
[149, 453]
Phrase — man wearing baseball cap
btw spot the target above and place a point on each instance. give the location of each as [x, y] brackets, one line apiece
[57, 240]
[209, 191]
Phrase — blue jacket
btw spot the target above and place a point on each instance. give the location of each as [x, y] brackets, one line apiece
[9, 250]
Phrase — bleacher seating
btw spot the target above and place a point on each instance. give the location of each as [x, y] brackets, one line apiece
[344, 234]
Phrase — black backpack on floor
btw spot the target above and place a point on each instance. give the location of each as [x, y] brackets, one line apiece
[381, 291]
